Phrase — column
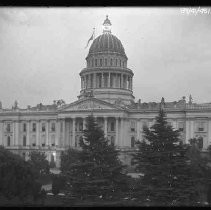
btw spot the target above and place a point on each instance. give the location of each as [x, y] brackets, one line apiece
[187, 131]
[13, 143]
[1, 133]
[57, 133]
[105, 126]
[117, 132]
[121, 142]
[121, 85]
[141, 131]
[129, 78]
[109, 79]
[63, 132]
[16, 134]
[94, 80]
[73, 132]
[191, 129]
[47, 133]
[138, 129]
[84, 123]
[131, 83]
[102, 80]
[28, 134]
[37, 133]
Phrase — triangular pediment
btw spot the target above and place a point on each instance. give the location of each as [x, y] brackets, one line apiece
[90, 104]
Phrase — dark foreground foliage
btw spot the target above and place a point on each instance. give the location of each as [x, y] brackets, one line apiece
[17, 177]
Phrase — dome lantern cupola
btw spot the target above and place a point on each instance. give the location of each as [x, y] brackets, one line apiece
[107, 25]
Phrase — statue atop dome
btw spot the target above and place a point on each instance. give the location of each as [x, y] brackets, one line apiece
[107, 25]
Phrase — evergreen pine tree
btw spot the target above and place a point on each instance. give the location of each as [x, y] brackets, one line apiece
[162, 159]
[98, 170]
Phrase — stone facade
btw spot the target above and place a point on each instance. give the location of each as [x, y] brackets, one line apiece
[107, 93]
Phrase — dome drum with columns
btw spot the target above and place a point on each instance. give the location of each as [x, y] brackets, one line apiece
[106, 74]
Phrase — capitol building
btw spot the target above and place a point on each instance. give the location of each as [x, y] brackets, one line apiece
[107, 93]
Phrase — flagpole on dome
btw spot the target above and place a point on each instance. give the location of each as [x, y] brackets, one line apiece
[91, 38]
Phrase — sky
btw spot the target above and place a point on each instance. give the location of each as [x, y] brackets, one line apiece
[42, 51]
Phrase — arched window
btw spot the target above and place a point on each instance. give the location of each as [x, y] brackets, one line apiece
[43, 127]
[112, 126]
[8, 128]
[8, 141]
[132, 141]
[132, 126]
[53, 127]
[105, 62]
[24, 127]
[101, 62]
[111, 62]
[92, 62]
[24, 140]
[112, 140]
[80, 126]
[95, 62]
[116, 62]
[34, 127]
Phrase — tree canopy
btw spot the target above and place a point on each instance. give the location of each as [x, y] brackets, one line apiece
[39, 162]
[162, 159]
[97, 170]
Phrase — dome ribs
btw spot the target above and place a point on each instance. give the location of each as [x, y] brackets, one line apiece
[107, 43]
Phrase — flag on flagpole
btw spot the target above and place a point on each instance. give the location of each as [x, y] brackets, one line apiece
[91, 38]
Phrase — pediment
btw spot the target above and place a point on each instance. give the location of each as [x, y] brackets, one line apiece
[90, 104]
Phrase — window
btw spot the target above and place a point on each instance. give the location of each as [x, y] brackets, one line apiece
[112, 126]
[43, 140]
[8, 141]
[145, 124]
[111, 62]
[43, 127]
[92, 62]
[105, 62]
[201, 126]
[80, 126]
[95, 62]
[53, 140]
[24, 155]
[53, 127]
[132, 126]
[8, 127]
[200, 142]
[120, 63]
[24, 127]
[34, 140]
[101, 62]
[132, 141]
[116, 62]
[181, 126]
[34, 127]
[24, 140]
[61, 126]
[112, 140]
